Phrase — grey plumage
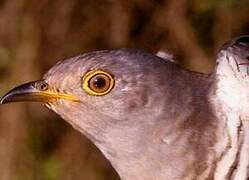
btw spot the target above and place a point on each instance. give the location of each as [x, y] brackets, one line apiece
[161, 121]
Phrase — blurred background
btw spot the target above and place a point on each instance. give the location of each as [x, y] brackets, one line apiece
[36, 144]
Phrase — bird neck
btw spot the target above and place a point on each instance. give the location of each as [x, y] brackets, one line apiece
[133, 151]
[130, 149]
[156, 147]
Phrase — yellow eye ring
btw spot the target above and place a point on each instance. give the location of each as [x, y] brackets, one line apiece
[98, 82]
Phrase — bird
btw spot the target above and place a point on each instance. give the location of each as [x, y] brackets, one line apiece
[151, 118]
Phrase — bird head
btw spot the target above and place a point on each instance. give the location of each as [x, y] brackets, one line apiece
[102, 91]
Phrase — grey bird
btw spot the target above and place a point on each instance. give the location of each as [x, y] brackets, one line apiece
[152, 119]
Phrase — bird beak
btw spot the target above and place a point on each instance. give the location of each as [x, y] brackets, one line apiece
[34, 91]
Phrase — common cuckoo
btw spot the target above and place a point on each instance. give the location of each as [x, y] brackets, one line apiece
[152, 119]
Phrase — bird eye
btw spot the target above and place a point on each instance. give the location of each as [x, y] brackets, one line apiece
[42, 86]
[98, 82]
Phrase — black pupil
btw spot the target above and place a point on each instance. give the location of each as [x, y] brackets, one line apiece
[99, 82]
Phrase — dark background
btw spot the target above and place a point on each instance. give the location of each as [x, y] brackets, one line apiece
[37, 144]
